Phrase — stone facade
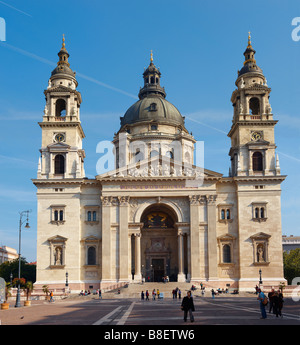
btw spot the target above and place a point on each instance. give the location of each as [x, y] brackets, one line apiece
[157, 214]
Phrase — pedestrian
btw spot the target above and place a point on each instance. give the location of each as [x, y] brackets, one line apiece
[179, 294]
[187, 306]
[263, 301]
[100, 293]
[158, 294]
[270, 297]
[213, 293]
[147, 295]
[278, 303]
[51, 296]
[153, 294]
[142, 295]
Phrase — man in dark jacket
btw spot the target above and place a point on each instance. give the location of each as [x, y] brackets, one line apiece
[187, 306]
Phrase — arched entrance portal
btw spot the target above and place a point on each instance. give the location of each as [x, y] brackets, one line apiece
[159, 243]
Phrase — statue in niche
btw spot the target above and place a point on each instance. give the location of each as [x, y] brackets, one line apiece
[57, 256]
[260, 254]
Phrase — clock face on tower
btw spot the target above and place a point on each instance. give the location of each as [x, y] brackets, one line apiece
[59, 137]
[256, 136]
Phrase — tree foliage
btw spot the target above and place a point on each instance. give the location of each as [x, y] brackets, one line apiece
[12, 267]
[291, 262]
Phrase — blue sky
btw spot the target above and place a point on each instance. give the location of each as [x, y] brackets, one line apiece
[198, 46]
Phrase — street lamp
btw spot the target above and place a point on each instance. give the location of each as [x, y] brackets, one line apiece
[23, 213]
[260, 281]
[67, 275]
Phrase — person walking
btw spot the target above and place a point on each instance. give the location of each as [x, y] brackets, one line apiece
[179, 293]
[147, 295]
[270, 297]
[153, 294]
[213, 293]
[263, 300]
[100, 293]
[142, 295]
[187, 306]
[278, 303]
[51, 296]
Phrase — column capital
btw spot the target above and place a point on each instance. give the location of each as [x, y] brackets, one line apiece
[211, 199]
[123, 200]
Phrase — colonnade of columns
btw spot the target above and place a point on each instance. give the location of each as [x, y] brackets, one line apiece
[198, 269]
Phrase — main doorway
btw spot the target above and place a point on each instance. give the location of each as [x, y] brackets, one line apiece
[158, 267]
[159, 244]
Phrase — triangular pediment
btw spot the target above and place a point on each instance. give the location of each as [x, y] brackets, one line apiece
[260, 236]
[160, 167]
[57, 238]
[58, 146]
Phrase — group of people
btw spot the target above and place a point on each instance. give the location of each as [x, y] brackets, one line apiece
[275, 301]
[155, 293]
[176, 292]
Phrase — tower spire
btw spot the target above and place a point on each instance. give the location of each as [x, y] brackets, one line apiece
[249, 40]
[151, 57]
[63, 47]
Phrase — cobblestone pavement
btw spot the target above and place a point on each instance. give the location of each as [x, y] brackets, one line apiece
[117, 312]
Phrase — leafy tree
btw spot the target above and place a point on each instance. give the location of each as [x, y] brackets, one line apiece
[12, 267]
[291, 262]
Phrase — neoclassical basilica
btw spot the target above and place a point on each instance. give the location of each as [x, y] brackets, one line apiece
[158, 212]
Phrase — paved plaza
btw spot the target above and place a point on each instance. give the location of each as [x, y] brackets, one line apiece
[229, 310]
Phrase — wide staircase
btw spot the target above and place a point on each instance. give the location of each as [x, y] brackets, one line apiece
[135, 290]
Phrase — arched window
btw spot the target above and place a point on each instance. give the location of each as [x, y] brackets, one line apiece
[91, 256]
[254, 106]
[60, 109]
[257, 161]
[139, 156]
[262, 213]
[227, 214]
[61, 215]
[226, 253]
[154, 153]
[56, 215]
[59, 164]
[170, 154]
[89, 216]
[222, 214]
[94, 216]
[256, 212]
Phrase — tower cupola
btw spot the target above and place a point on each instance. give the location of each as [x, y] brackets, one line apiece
[151, 77]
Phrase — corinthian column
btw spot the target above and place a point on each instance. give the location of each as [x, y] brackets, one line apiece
[212, 237]
[123, 238]
[106, 239]
[194, 237]
[137, 275]
[181, 276]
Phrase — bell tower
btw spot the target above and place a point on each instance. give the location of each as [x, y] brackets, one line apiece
[62, 155]
[253, 146]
